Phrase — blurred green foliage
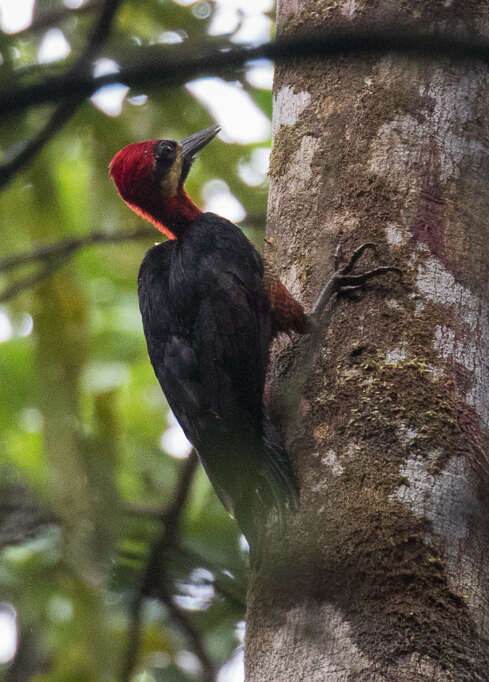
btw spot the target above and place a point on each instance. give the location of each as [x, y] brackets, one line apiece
[81, 414]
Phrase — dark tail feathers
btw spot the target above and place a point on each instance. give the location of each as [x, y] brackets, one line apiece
[278, 472]
[276, 490]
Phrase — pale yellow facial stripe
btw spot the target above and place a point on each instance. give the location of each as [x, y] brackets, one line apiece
[169, 183]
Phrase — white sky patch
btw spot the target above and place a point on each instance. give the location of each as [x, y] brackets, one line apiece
[6, 329]
[254, 29]
[233, 670]
[260, 75]
[254, 171]
[8, 632]
[218, 199]
[232, 108]
[170, 37]
[254, 26]
[15, 15]
[110, 98]
[16, 327]
[73, 4]
[24, 325]
[188, 662]
[173, 440]
[138, 100]
[197, 594]
[243, 544]
[104, 66]
[53, 47]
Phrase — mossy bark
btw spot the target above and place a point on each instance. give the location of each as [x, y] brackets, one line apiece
[383, 574]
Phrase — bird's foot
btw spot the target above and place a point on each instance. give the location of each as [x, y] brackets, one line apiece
[344, 280]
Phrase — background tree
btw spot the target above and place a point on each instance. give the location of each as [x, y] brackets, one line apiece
[384, 575]
[118, 559]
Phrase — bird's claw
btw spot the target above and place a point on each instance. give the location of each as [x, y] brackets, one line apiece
[359, 251]
[344, 281]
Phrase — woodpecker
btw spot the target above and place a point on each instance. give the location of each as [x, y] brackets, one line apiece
[210, 308]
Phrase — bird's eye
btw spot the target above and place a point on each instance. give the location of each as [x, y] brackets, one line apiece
[164, 150]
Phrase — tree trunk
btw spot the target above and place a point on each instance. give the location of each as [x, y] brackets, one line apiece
[383, 574]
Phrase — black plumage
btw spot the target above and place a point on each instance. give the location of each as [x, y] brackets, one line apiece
[210, 310]
[207, 322]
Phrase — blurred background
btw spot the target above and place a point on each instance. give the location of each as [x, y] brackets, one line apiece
[101, 578]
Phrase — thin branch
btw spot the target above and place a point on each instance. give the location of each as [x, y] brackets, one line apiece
[66, 247]
[192, 632]
[54, 256]
[27, 282]
[176, 66]
[59, 118]
[154, 581]
[65, 110]
[228, 587]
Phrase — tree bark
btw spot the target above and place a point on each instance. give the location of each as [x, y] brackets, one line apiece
[383, 574]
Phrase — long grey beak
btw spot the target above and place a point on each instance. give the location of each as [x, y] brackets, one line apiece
[197, 141]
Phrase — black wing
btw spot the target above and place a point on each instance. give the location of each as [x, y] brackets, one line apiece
[207, 323]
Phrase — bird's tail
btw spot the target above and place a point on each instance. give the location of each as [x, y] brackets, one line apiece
[284, 489]
[276, 491]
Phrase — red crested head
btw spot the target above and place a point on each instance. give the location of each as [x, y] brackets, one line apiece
[149, 176]
[133, 172]
[131, 168]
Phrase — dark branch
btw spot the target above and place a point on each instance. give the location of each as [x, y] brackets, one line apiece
[232, 588]
[225, 585]
[175, 66]
[154, 581]
[27, 282]
[66, 109]
[21, 515]
[66, 247]
[54, 256]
